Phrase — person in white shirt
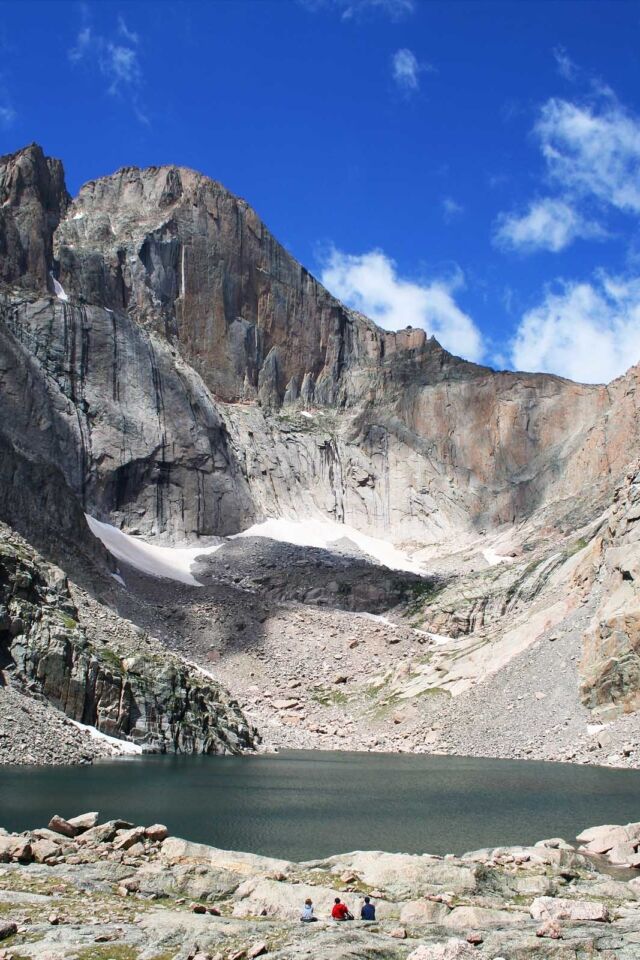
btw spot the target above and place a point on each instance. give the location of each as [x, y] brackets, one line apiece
[307, 912]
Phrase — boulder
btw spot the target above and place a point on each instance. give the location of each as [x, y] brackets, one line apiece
[104, 832]
[157, 832]
[399, 933]
[623, 854]
[556, 908]
[84, 821]
[272, 898]
[452, 949]
[406, 875]
[7, 929]
[461, 918]
[423, 911]
[555, 843]
[127, 838]
[550, 929]
[45, 834]
[45, 850]
[257, 950]
[16, 849]
[63, 827]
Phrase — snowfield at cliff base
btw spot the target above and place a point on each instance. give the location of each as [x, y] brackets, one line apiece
[175, 563]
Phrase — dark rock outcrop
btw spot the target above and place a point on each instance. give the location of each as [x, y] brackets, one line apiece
[33, 199]
[142, 694]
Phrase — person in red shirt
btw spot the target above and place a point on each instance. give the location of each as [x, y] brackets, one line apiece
[340, 910]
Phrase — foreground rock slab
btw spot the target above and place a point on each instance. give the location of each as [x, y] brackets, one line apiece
[120, 891]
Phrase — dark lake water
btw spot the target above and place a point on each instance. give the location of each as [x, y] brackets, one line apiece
[302, 805]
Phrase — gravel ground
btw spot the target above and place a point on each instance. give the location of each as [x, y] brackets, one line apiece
[31, 731]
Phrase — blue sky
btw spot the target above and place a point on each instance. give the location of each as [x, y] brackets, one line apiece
[473, 168]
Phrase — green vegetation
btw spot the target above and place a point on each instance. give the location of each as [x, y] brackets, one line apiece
[109, 951]
[330, 698]
[576, 546]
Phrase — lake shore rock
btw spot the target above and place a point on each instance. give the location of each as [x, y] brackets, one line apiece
[145, 895]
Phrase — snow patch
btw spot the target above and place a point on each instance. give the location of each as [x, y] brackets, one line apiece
[175, 563]
[118, 579]
[322, 533]
[438, 638]
[494, 558]
[305, 413]
[172, 563]
[59, 291]
[118, 746]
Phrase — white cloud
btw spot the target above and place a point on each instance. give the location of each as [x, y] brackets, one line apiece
[548, 224]
[406, 70]
[592, 156]
[84, 42]
[451, 209]
[7, 113]
[592, 152]
[129, 35]
[565, 65]
[370, 283]
[356, 9]
[118, 62]
[120, 66]
[588, 332]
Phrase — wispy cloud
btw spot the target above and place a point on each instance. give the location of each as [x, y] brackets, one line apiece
[129, 35]
[405, 70]
[591, 152]
[358, 9]
[370, 283]
[548, 224]
[7, 111]
[451, 209]
[564, 64]
[588, 331]
[117, 61]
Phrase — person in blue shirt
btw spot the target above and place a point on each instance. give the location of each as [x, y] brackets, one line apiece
[307, 912]
[368, 911]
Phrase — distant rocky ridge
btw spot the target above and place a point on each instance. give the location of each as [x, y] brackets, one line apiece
[167, 367]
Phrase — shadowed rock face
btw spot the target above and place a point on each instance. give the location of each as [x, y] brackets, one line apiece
[169, 388]
[127, 691]
[33, 198]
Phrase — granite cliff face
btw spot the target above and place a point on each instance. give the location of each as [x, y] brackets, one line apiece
[184, 376]
[611, 650]
[169, 386]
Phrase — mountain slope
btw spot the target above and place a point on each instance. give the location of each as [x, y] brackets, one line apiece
[184, 377]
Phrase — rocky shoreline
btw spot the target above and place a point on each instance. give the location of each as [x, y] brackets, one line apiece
[87, 890]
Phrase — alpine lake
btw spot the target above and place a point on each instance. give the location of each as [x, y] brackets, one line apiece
[302, 805]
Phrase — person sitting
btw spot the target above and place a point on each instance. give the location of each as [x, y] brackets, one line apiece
[368, 911]
[340, 910]
[307, 912]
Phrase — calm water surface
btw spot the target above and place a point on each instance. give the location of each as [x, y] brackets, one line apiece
[302, 805]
